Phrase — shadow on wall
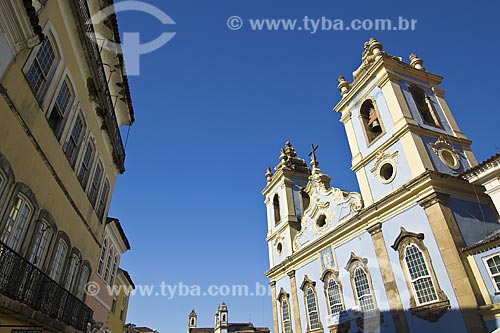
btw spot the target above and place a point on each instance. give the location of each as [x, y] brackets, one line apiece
[420, 319]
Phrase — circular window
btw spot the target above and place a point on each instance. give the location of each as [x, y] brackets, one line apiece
[449, 158]
[387, 172]
[279, 248]
[321, 222]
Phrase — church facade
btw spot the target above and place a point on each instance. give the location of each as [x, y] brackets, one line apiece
[417, 249]
[222, 324]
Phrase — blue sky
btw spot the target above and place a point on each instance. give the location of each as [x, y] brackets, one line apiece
[214, 106]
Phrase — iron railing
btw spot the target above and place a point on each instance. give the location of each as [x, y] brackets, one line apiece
[23, 282]
[94, 60]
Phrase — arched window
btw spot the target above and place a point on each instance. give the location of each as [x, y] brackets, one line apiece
[361, 284]
[284, 301]
[424, 106]
[17, 222]
[84, 278]
[276, 208]
[364, 292]
[41, 242]
[58, 261]
[419, 275]
[102, 257]
[421, 279]
[62, 105]
[370, 120]
[285, 315]
[311, 305]
[7, 179]
[312, 311]
[72, 147]
[74, 263]
[86, 164]
[333, 291]
[334, 298]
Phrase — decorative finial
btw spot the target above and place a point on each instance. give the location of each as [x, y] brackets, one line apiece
[375, 48]
[269, 174]
[312, 154]
[416, 62]
[289, 150]
[343, 86]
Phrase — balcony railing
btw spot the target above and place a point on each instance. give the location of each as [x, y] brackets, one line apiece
[23, 282]
[94, 60]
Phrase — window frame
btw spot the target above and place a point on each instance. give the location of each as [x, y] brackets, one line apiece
[437, 122]
[94, 191]
[310, 286]
[352, 267]
[332, 275]
[71, 271]
[42, 96]
[369, 142]
[36, 254]
[79, 115]
[284, 297]
[60, 260]
[490, 274]
[102, 257]
[442, 303]
[90, 143]
[102, 203]
[54, 107]
[24, 192]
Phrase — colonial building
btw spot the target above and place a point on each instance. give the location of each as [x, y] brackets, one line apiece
[222, 324]
[63, 99]
[416, 250]
[118, 314]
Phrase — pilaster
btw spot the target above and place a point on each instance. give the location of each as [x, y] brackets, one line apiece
[449, 240]
[275, 306]
[295, 300]
[390, 286]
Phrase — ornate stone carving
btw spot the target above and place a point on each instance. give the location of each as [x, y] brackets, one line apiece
[431, 312]
[382, 158]
[416, 62]
[446, 153]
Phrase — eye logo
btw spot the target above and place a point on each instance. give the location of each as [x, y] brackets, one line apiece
[131, 47]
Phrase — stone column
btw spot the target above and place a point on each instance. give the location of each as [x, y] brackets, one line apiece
[275, 305]
[390, 286]
[295, 300]
[449, 240]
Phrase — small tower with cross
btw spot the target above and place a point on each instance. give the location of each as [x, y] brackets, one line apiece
[285, 201]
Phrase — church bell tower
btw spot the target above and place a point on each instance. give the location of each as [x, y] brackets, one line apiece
[398, 123]
[285, 201]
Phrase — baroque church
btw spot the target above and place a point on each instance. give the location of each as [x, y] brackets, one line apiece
[222, 324]
[417, 250]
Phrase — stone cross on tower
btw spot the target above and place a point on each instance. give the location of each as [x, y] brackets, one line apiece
[312, 154]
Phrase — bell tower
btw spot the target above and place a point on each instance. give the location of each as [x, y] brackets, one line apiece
[285, 201]
[192, 320]
[221, 319]
[398, 123]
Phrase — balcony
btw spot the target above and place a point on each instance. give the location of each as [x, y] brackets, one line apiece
[23, 282]
[97, 84]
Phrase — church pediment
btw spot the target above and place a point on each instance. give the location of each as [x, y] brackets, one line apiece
[328, 207]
